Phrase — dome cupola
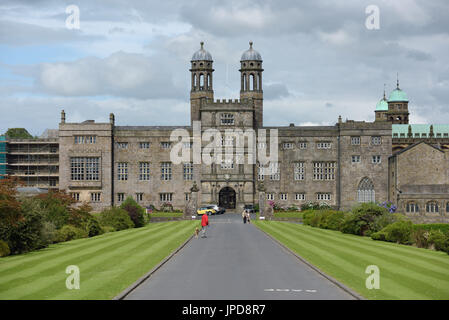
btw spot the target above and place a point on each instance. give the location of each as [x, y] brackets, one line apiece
[251, 54]
[201, 54]
[397, 95]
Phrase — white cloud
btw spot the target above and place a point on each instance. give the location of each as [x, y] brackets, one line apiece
[120, 74]
[339, 37]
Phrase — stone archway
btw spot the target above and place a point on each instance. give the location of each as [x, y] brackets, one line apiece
[227, 198]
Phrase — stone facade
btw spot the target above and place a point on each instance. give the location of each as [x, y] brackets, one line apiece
[341, 164]
[315, 163]
[419, 182]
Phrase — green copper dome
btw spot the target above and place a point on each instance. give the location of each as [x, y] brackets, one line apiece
[382, 105]
[398, 95]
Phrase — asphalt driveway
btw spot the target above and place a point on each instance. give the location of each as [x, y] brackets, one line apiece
[235, 261]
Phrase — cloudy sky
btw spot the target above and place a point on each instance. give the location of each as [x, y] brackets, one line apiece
[132, 58]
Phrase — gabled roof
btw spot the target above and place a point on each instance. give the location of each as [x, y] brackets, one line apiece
[414, 145]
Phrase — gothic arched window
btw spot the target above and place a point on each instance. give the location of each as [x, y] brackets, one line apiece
[365, 191]
[412, 207]
[432, 207]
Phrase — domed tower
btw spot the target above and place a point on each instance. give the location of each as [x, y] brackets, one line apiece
[251, 81]
[398, 106]
[382, 109]
[201, 70]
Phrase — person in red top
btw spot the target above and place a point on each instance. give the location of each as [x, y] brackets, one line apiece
[204, 224]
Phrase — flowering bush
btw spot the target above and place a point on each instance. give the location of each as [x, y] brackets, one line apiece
[314, 206]
[167, 207]
[389, 205]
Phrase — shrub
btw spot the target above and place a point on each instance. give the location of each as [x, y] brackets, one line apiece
[310, 206]
[361, 221]
[420, 237]
[385, 219]
[326, 219]
[166, 207]
[93, 227]
[334, 220]
[48, 233]
[56, 206]
[443, 227]
[82, 218]
[69, 232]
[115, 217]
[107, 229]
[135, 212]
[389, 206]
[25, 235]
[380, 235]
[439, 240]
[256, 207]
[4, 249]
[399, 232]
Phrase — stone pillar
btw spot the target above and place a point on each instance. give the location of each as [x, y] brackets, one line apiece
[192, 205]
[265, 210]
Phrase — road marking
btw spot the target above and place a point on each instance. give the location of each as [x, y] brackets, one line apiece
[292, 290]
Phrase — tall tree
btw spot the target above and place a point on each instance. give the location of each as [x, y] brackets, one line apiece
[18, 133]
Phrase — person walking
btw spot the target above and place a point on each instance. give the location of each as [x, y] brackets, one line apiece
[204, 224]
[244, 216]
[248, 216]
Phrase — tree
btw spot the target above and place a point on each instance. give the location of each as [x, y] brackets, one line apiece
[10, 212]
[18, 133]
[135, 212]
[57, 205]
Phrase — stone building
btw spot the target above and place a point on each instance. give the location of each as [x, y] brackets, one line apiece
[341, 164]
[419, 182]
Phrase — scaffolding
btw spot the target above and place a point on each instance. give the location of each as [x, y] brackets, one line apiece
[35, 161]
[3, 152]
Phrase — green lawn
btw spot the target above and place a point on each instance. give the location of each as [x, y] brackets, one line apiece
[288, 214]
[108, 263]
[405, 272]
[166, 214]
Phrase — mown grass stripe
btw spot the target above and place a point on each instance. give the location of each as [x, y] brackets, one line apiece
[139, 267]
[410, 271]
[58, 265]
[345, 269]
[71, 246]
[43, 285]
[333, 263]
[92, 279]
[412, 252]
[28, 269]
[341, 268]
[424, 267]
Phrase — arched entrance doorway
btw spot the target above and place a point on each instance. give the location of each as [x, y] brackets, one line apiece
[227, 198]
